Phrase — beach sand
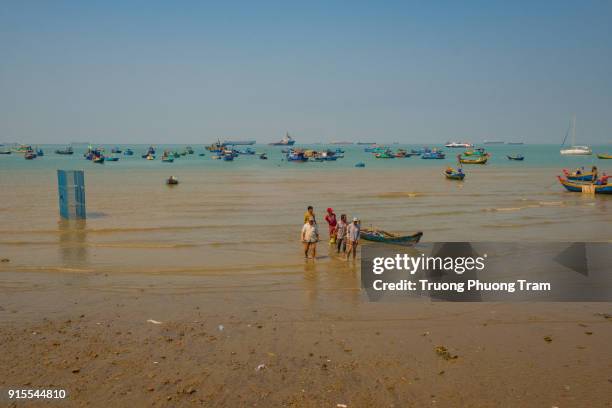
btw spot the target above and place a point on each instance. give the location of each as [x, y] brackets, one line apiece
[221, 250]
[318, 346]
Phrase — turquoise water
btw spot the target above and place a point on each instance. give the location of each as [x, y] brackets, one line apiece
[539, 156]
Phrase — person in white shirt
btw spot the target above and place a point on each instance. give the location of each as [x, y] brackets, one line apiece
[341, 234]
[310, 237]
[352, 237]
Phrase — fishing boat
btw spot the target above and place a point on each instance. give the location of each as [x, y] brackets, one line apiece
[98, 159]
[285, 141]
[573, 149]
[167, 159]
[454, 174]
[5, 152]
[476, 152]
[578, 187]
[360, 164]
[433, 155]
[202, 154]
[387, 154]
[150, 153]
[228, 157]
[128, 152]
[458, 144]
[239, 142]
[378, 235]
[172, 181]
[150, 157]
[116, 149]
[29, 155]
[111, 158]
[67, 151]
[297, 156]
[518, 157]
[40, 152]
[22, 149]
[189, 150]
[263, 156]
[478, 160]
[578, 175]
[604, 156]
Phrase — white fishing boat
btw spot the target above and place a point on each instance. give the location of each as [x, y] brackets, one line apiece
[458, 144]
[574, 149]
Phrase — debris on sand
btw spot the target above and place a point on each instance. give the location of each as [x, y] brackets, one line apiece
[588, 333]
[260, 367]
[4, 260]
[444, 353]
[604, 315]
[153, 321]
[221, 327]
[341, 405]
[547, 339]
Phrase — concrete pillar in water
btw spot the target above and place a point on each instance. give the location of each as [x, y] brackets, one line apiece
[71, 190]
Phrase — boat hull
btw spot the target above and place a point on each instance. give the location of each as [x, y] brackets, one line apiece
[406, 240]
[455, 176]
[480, 160]
[604, 156]
[576, 187]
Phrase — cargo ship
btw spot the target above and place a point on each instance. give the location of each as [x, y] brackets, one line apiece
[239, 142]
[285, 141]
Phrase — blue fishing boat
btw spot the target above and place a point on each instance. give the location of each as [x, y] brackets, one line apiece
[116, 149]
[581, 187]
[433, 155]
[385, 237]
[228, 157]
[518, 157]
[578, 175]
[360, 164]
[296, 156]
[111, 158]
[128, 152]
[454, 174]
[39, 152]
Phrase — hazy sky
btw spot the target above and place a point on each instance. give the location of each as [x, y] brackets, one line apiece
[152, 72]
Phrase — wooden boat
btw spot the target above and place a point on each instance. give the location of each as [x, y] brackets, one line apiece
[150, 157]
[517, 157]
[111, 158]
[377, 235]
[575, 176]
[581, 187]
[384, 155]
[98, 159]
[172, 181]
[479, 160]
[604, 156]
[475, 152]
[167, 159]
[454, 174]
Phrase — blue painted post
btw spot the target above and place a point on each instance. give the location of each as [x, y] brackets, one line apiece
[71, 190]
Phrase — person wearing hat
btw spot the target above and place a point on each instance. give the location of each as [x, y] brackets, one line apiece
[331, 223]
[310, 237]
[352, 236]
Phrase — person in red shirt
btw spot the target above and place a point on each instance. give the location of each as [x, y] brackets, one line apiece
[332, 223]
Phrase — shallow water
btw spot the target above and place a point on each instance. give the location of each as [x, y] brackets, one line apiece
[245, 216]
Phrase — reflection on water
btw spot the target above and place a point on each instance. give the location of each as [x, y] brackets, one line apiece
[73, 242]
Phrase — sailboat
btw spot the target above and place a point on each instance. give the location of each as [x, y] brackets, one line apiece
[573, 149]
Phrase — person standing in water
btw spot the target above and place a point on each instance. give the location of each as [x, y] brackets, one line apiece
[352, 235]
[310, 237]
[309, 214]
[341, 234]
[331, 223]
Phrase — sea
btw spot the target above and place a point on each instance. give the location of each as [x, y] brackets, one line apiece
[245, 216]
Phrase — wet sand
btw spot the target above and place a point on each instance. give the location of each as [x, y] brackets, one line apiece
[221, 250]
[316, 341]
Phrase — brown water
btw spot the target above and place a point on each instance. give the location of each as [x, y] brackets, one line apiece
[245, 221]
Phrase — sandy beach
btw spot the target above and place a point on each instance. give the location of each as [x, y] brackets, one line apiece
[315, 343]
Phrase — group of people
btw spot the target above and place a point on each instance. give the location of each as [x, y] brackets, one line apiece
[344, 236]
[595, 178]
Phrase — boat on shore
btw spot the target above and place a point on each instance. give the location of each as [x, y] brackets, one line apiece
[285, 141]
[378, 235]
[604, 156]
[478, 160]
[518, 157]
[172, 181]
[574, 150]
[582, 187]
[458, 144]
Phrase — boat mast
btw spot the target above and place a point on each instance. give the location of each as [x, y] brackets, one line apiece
[574, 130]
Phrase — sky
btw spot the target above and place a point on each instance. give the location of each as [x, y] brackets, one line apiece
[411, 72]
